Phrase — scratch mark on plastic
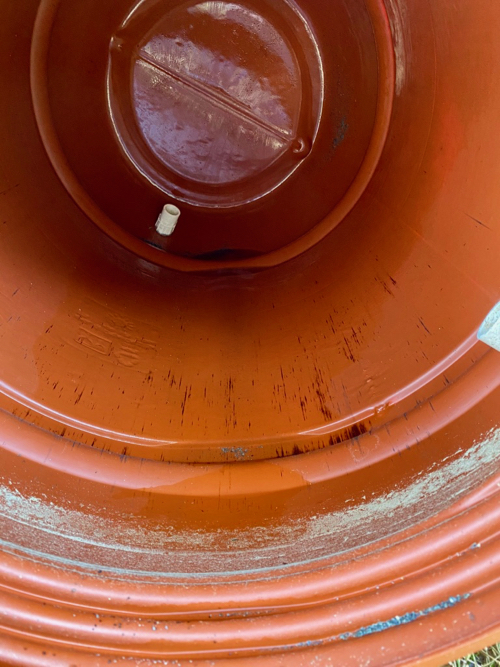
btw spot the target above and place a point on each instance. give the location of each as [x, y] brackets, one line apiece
[423, 324]
[7, 190]
[478, 221]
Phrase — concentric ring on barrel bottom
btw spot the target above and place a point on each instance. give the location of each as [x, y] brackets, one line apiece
[206, 128]
[386, 78]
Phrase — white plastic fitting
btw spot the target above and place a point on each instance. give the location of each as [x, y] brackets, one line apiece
[489, 331]
[167, 220]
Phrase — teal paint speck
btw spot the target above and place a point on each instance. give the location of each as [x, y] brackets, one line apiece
[341, 132]
[405, 619]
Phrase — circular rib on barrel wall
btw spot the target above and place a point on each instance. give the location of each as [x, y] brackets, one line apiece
[295, 465]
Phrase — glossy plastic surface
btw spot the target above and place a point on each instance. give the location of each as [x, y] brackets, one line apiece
[221, 109]
[272, 437]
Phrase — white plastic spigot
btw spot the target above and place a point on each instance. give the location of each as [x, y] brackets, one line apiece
[167, 220]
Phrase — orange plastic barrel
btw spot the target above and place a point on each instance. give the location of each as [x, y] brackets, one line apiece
[246, 251]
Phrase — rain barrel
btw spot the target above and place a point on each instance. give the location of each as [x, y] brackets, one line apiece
[249, 366]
